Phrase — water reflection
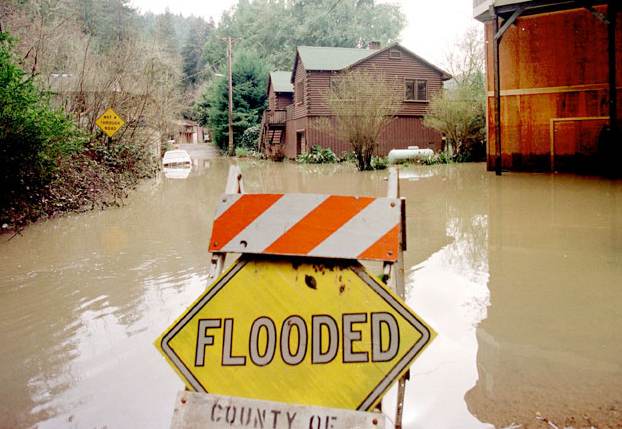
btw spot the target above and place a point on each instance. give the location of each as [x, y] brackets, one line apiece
[447, 286]
[177, 172]
[519, 275]
[551, 343]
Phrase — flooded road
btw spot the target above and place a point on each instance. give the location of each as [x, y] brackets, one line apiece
[520, 275]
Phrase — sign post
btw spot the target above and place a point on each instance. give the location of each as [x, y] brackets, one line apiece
[297, 318]
[109, 122]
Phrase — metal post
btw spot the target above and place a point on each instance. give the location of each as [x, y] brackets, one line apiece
[229, 54]
[613, 93]
[234, 186]
[497, 82]
[395, 273]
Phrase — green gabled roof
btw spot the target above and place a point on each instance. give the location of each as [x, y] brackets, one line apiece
[328, 58]
[281, 81]
[316, 58]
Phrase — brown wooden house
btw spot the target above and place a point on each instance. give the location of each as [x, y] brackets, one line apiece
[310, 78]
[553, 70]
[280, 95]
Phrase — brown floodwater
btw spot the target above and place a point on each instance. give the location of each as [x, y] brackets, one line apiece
[521, 276]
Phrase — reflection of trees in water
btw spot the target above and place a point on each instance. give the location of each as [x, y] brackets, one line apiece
[445, 204]
[470, 248]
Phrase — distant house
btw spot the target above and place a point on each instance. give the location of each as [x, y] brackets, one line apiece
[292, 132]
[187, 131]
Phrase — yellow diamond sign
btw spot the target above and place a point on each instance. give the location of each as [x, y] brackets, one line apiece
[326, 334]
[109, 122]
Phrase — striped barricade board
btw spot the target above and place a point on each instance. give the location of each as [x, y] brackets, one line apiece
[311, 225]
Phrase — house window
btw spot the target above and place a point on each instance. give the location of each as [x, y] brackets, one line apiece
[395, 53]
[416, 90]
[300, 92]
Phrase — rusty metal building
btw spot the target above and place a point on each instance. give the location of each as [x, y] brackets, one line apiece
[291, 131]
[553, 70]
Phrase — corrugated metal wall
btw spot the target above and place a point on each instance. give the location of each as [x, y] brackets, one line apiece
[553, 69]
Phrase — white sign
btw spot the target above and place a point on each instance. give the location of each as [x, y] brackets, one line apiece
[202, 410]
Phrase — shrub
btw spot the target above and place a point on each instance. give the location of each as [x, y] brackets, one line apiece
[317, 155]
[250, 138]
[242, 152]
[438, 158]
[33, 135]
[459, 111]
[379, 162]
[348, 157]
[48, 165]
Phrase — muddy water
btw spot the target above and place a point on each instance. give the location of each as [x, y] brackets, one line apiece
[520, 275]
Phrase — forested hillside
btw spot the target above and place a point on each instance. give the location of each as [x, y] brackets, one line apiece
[64, 62]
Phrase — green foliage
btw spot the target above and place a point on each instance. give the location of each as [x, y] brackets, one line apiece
[379, 162]
[438, 158]
[249, 99]
[317, 155]
[244, 152]
[250, 138]
[192, 53]
[109, 22]
[164, 29]
[274, 28]
[459, 111]
[47, 164]
[349, 156]
[460, 114]
[33, 135]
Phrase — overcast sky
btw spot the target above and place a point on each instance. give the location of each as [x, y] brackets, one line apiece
[433, 26]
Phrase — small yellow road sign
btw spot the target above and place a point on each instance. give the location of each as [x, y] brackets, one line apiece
[109, 122]
[298, 331]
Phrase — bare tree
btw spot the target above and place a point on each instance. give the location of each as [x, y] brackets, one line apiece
[362, 103]
[466, 61]
[459, 110]
[137, 77]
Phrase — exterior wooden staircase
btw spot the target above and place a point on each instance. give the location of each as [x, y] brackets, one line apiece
[273, 136]
[272, 129]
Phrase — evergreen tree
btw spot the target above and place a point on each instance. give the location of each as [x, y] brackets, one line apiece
[192, 53]
[249, 75]
[111, 22]
[165, 33]
[274, 28]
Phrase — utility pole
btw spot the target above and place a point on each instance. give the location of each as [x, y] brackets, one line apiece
[229, 54]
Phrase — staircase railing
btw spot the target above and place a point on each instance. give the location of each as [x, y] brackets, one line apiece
[274, 117]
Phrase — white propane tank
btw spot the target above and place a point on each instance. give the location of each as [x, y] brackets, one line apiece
[396, 155]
